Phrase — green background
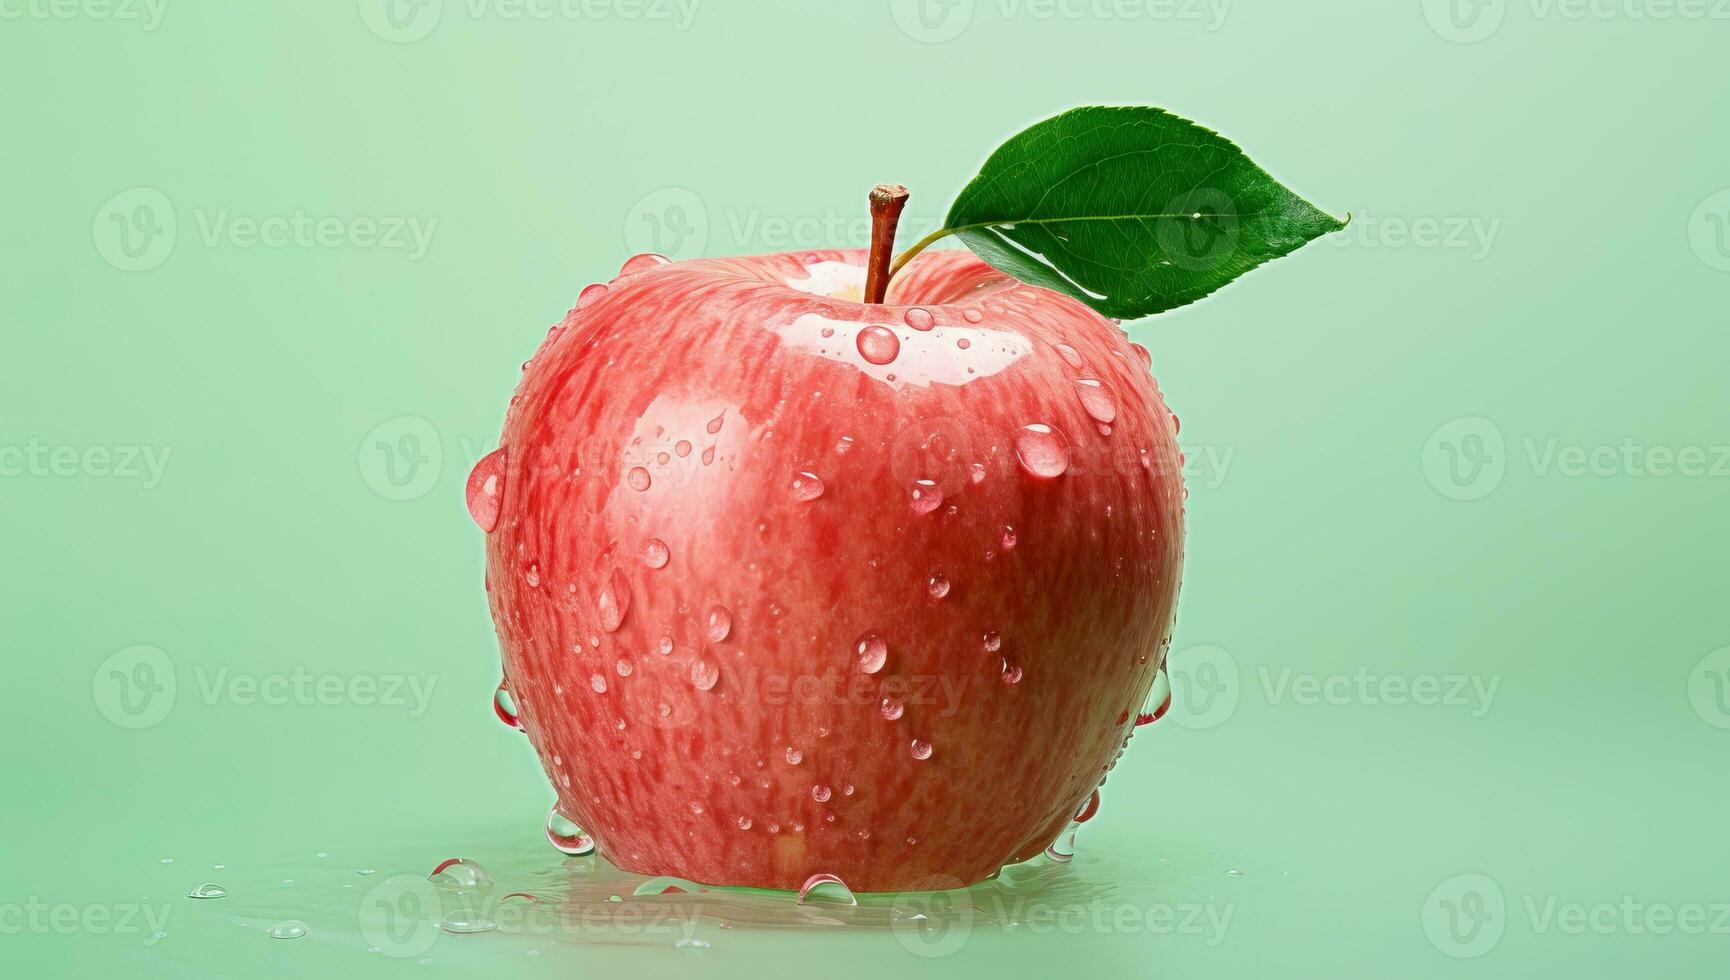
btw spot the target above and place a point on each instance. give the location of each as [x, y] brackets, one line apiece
[1537, 268]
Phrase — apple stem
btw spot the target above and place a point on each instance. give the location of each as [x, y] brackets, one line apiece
[887, 200]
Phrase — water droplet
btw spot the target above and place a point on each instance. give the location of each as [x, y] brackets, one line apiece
[993, 641]
[937, 586]
[871, 652]
[682, 448]
[567, 837]
[708, 455]
[613, 601]
[1143, 355]
[927, 496]
[720, 623]
[643, 263]
[1009, 538]
[590, 293]
[1234, 873]
[820, 793]
[714, 424]
[879, 345]
[892, 708]
[827, 890]
[806, 486]
[532, 575]
[656, 553]
[624, 668]
[794, 756]
[1096, 400]
[972, 315]
[704, 675]
[1042, 450]
[1088, 809]
[843, 444]
[976, 473]
[208, 890]
[291, 929]
[463, 922]
[1158, 700]
[920, 318]
[638, 478]
[964, 343]
[486, 490]
[665, 646]
[1070, 355]
[1010, 673]
[1063, 848]
[692, 945]
[599, 683]
[920, 748]
[505, 706]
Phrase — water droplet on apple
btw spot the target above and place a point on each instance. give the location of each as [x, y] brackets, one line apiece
[920, 318]
[1042, 451]
[708, 455]
[892, 708]
[871, 652]
[927, 496]
[1009, 538]
[879, 345]
[1009, 672]
[656, 553]
[1070, 355]
[794, 756]
[806, 486]
[920, 748]
[714, 424]
[964, 343]
[1088, 809]
[590, 293]
[744, 823]
[208, 890]
[289, 929]
[682, 448]
[613, 601]
[532, 575]
[666, 645]
[638, 478]
[599, 683]
[976, 473]
[720, 623]
[937, 586]
[1062, 849]
[643, 263]
[827, 890]
[820, 793]
[972, 315]
[993, 641]
[505, 707]
[1158, 700]
[843, 444]
[704, 675]
[467, 922]
[567, 836]
[623, 668]
[1096, 400]
[486, 490]
[1143, 355]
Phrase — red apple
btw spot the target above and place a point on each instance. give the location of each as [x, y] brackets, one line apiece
[790, 584]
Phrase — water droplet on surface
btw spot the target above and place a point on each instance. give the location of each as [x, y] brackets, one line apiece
[1143, 355]
[993, 641]
[920, 748]
[920, 318]
[937, 586]
[1009, 673]
[638, 479]
[1158, 700]
[599, 683]
[708, 455]
[464, 922]
[1042, 451]
[843, 444]
[1234, 873]
[1062, 849]
[1088, 809]
[892, 708]
[208, 890]
[656, 553]
[704, 675]
[1070, 355]
[1009, 538]
[794, 756]
[291, 929]
[664, 885]
[624, 668]
[567, 837]
[972, 315]
[1098, 403]
[964, 343]
[879, 345]
[926, 497]
[505, 706]
[825, 889]
[714, 424]
[590, 293]
[486, 490]
[613, 601]
[692, 945]
[806, 486]
[871, 652]
[532, 575]
[720, 623]
[665, 646]
[682, 448]
[820, 793]
[643, 263]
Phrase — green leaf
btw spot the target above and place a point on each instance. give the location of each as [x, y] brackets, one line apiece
[1131, 210]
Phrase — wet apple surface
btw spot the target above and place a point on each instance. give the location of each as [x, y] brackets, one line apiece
[787, 584]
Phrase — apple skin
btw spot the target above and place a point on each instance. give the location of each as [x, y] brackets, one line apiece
[761, 754]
